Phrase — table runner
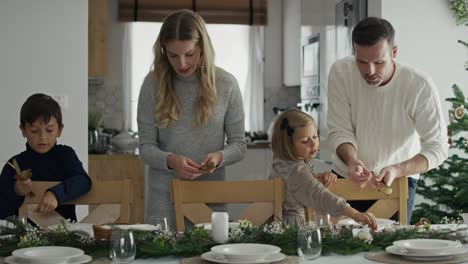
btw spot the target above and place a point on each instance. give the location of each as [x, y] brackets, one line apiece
[385, 257]
[199, 260]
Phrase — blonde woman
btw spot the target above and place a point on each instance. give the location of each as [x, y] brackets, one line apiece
[190, 112]
[295, 142]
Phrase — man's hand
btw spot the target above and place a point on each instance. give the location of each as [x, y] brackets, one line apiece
[184, 167]
[215, 158]
[388, 174]
[358, 173]
[23, 187]
[48, 204]
[326, 178]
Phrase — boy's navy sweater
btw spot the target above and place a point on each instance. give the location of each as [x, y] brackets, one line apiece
[59, 164]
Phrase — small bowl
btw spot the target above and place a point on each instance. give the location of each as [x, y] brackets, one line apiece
[426, 246]
[246, 251]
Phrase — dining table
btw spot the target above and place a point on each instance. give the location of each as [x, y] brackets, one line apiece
[359, 258]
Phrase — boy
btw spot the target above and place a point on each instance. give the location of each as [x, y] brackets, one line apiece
[41, 125]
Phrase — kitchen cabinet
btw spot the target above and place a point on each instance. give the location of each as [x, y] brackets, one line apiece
[292, 42]
[118, 167]
[97, 38]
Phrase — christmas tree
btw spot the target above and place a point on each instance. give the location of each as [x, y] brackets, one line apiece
[446, 187]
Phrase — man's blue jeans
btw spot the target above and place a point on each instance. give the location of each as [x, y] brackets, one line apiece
[412, 185]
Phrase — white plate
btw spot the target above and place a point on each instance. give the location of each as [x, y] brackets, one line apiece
[49, 255]
[246, 251]
[426, 246]
[207, 226]
[215, 257]
[450, 253]
[76, 260]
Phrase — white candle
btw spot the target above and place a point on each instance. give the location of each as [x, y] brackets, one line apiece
[220, 227]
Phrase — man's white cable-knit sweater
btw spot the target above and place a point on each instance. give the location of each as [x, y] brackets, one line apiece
[386, 124]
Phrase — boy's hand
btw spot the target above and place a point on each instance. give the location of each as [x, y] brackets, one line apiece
[48, 204]
[23, 187]
[326, 178]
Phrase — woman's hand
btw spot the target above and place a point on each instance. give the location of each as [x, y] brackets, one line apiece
[326, 178]
[48, 204]
[23, 187]
[183, 167]
[215, 158]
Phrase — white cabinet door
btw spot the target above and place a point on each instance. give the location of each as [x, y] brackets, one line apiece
[292, 42]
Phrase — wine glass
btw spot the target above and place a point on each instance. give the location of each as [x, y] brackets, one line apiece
[159, 222]
[122, 248]
[309, 243]
[323, 221]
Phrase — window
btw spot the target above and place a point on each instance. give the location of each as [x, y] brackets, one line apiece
[231, 44]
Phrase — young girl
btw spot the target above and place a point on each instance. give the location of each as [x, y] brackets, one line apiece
[295, 142]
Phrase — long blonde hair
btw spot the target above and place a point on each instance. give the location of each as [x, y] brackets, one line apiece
[183, 25]
[282, 142]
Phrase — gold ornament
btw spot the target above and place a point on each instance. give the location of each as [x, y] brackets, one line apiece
[460, 112]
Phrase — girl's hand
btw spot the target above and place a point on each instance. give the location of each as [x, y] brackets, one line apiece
[366, 219]
[326, 178]
[184, 167]
[215, 158]
[23, 187]
[48, 204]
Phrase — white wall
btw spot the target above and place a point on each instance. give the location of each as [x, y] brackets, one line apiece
[44, 48]
[427, 39]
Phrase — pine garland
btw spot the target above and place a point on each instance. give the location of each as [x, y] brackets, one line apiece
[196, 241]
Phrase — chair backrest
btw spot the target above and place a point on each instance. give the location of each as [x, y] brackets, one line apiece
[190, 199]
[385, 206]
[102, 192]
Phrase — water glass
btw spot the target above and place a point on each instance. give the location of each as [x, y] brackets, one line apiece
[122, 248]
[159, 222]
[323, 221]
[309, 243]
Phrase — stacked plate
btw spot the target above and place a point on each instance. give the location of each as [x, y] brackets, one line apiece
[48, 255]
[426, 249]
[244, 253]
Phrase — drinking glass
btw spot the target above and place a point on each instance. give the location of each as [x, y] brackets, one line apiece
[159, 222]
[122, 248]
[323, 221]
[309, 243]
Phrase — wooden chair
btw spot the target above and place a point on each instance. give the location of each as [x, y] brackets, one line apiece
[190, 199]
[385, 206]
[102, 192]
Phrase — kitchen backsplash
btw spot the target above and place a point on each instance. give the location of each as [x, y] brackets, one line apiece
[107, 99]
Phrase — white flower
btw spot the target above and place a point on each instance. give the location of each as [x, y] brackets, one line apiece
[236, 233]
[273, 228]
[244, 223]
[363, 234]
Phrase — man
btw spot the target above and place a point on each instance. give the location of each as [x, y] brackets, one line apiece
[385, 118]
